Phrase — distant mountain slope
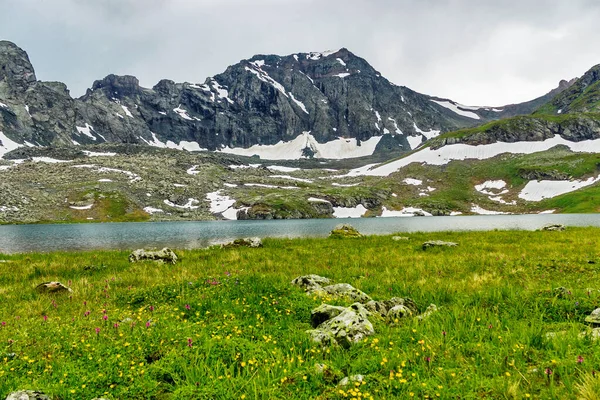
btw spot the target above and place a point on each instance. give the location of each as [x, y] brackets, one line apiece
[582, 96]
[324, 105]
[572, 114]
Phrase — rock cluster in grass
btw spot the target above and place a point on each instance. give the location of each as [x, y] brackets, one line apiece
[52, 287]
[344, 231]
[337, 325]
[253, 242]
[165, 255]
[438, 243]
[27, 395]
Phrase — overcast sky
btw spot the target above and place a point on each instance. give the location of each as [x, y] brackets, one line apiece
[477, 52]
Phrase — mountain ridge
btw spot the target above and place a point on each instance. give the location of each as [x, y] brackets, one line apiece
[330, 105]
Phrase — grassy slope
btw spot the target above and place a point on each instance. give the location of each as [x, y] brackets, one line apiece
[246, 323]
[455, 182]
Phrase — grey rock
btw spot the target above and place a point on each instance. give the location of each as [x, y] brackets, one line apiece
[52, 287]
[344, 231]
[376, 307]
[428, 312]
[310, 282]
[253, 242]
[27, 395]
[553, 227]
[382, 308]
[165, 255]
[438, 243]
[323, 313]
[351, 379]
[349, 327]
[594, 317]
[593, 334]
[396, 313]
[399, 238]
[347, 290]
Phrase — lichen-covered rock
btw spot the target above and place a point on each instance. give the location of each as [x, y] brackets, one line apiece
[310, 282]
[428, 311]
[351, 379]
[399, 301]
[323, 313]
[382, 308]
[350, 327]
[347, 290]
[376, 307]
[165, 255]
[594, 317]
[399, 238]
[253, 242]
[52, 287]
[344, 231]
[438, 243]
[27, 395]
[554, 227]
[396, 313]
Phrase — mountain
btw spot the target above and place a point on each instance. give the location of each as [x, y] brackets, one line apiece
[572, 114]
[323, 105]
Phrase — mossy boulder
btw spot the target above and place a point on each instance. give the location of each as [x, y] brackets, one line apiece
[438, 243]
[349, 327]
[165, 255]
[52, 287]
[344, 231]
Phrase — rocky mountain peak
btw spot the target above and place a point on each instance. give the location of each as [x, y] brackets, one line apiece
[16, 71]
[118, 86]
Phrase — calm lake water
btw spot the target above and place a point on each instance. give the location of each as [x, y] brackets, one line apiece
[126, 236]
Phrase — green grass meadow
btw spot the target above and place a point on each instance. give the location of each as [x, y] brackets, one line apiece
[227, 323]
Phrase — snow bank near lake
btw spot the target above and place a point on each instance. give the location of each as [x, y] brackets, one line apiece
[449, 153]
[540, 190]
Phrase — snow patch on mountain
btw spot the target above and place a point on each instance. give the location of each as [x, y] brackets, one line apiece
[455, 109]
[299, 103]
[263, 76]
[349, 212]
[293, 150]
[540, 190]
[86, 130]
[7, 145]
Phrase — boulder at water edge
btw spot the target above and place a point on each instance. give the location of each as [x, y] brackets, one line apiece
[253, 242]
[344, 231]
[554, 227]
[165, 255]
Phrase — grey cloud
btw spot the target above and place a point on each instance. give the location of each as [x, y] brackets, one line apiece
[476, 52]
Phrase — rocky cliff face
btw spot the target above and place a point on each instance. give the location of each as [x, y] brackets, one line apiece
[325, 105]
